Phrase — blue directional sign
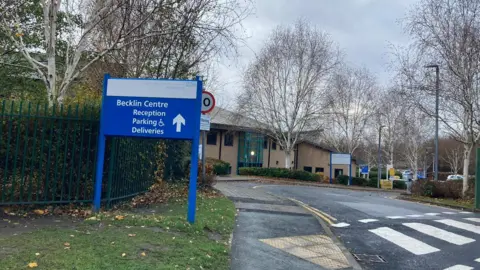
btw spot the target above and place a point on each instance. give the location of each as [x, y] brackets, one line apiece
[151, 108]
[365, 169]
[163, 109]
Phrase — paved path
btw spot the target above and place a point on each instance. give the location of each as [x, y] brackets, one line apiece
[387, 233]
[276, 233]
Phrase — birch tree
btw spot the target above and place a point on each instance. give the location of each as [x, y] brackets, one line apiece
[453, 157]
[351, 101]
[138, 31]
[283, 88]
[446, 33]
[416, 133]
[391, 110]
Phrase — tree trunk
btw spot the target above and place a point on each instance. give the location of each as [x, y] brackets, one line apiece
[466, 163]
[287, 159]
[51, 39]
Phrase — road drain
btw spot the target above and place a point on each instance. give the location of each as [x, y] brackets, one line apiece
[369, 258]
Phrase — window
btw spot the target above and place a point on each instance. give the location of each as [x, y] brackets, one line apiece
[319, 170]
[228, 139]
[274, 146]
[338, 172]
[265, 143]
[307, 169]
[212, 138]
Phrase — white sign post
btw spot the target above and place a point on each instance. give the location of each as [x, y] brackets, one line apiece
[208, 103]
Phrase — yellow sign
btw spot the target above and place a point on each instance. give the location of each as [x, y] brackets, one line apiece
[386, 184]
[391, 172]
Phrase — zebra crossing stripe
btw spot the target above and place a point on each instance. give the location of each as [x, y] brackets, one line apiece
[459, 267]
[440, 234]
[432, 214]
[473, 219]
[395, 217]
[414, 216]
[449, 213]
[460, 225]
[406, 242]
[477, 260]
[368, 220]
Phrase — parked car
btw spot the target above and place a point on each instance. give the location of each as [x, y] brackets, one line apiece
[454, 177]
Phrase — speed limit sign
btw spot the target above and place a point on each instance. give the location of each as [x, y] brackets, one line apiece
[208, 102]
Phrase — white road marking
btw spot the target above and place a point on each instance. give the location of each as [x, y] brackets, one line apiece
[341, 225]
[477, 260]
[368, 220]
[408, 243]
[466, 212]
[414, 215]
[459, 267]
[460, 225]
[432, 214]
[395, 217]
[473, 219]
[450, 213]
[440, 234]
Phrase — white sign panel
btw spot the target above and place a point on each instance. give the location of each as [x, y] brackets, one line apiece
[340, 159]
[200, 151]
[205, 122]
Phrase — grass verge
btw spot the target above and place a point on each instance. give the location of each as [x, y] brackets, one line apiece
[130, 240]
[466, 204]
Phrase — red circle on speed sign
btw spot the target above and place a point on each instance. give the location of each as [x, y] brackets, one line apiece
[208, 102]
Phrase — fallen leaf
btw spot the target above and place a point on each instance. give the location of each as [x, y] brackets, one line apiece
[66, 248]
[143, 254]
[131, 235]
[66, 244]
[39, 212]
[124, 254]
[71, 235]
[119, 217]
[37, 254]
[32, 265]
[92, 218]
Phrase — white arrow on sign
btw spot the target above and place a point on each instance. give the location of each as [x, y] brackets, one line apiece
[179, 121]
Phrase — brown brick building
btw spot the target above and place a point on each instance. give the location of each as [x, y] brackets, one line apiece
[232, 139]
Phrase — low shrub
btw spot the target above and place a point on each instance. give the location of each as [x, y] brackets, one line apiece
[220, 167]
[399, 184]
[356, 181]
[280, 173]
[443, 189]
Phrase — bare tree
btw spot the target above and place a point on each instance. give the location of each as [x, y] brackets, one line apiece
[173, 35]
[453, 157]
[447, 33]
[416, 132]
[391, 110]
[350, 100]
[283, 86]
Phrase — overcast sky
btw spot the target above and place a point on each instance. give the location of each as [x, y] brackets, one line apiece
[363, 29]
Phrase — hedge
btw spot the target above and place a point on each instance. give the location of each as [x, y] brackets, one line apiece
[358, 181]
[443, 189]
[280, 173]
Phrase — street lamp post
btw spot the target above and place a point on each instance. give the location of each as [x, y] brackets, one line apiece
[379, 161]
[437, 89]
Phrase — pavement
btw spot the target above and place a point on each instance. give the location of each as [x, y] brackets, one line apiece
[277, 233]
[382, 232]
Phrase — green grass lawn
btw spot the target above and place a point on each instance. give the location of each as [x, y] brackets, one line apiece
[128, 240]
[467, 204]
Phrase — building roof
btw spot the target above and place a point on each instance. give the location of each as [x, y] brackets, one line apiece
[223, 118]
